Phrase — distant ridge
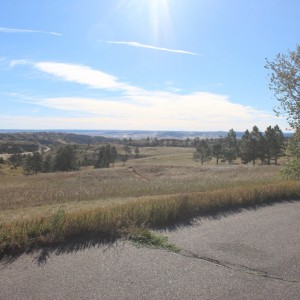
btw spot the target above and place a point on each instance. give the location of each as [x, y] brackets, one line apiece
[137, 134]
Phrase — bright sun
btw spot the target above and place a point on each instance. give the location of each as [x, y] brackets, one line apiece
[159, 17]
[154, 11]
[158, 4]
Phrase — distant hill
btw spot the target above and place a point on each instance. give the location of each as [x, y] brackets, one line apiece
[80, 136]
[28, 141]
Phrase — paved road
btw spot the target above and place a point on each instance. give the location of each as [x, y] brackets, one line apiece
[248, 255]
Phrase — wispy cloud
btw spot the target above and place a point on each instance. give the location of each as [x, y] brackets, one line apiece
[190, 112]
[17, 62]
[136, 44]
[83, 75]
[132, 107]
[18, 30]
[198, 111]
[50, 122]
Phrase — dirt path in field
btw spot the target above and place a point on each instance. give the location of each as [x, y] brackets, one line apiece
[137, 174]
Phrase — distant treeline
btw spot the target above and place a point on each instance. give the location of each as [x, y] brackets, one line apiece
[12, 148]
[254, 145]
[28, 141]
[65, 159]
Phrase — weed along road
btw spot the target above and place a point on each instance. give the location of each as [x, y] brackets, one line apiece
[253, 254]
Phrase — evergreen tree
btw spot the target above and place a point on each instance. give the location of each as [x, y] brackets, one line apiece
[65, 159]
[217, 151]
[124, 158]
[187, 142]
[113, 155]
[256, 137]
[16, 160]
[246, 147]
[104, 157]
[48, 164]
[269, 136]
[33, 163]
[230, 147]
[196, 141]
[262, 149]
[202, 152]
[28, 164]
[155, 142]
[274, 143]
[37, 162]
[136, 152]
[278, 143]
[127, 149]
[253, 146]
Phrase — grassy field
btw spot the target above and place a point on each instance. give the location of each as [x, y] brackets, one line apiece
[163, 187]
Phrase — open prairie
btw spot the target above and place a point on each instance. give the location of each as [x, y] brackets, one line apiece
[162, 171]
[162, 187]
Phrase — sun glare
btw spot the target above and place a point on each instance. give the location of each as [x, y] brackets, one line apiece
[156, 12]
[158, 3]
[159, 17]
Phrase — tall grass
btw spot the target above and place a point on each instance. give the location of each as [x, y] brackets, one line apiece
[118, 219]
[105, 184]
[148, 192]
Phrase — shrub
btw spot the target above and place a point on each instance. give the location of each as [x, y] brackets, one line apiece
[291, 170]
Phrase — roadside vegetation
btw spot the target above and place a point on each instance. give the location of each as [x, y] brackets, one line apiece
[284, 82]
[143, 237]
[118, 219]
[160, 187]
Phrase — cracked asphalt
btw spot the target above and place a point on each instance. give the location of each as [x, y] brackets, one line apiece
[254, 254]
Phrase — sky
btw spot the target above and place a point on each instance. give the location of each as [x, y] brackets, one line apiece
[188, 65]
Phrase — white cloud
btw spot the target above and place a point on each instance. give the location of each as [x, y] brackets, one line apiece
[199, 111]
[137, 108]
[84, 75]
[18, 30]
[18, 62]
[91, 106]
[136, 44]
[36, 122]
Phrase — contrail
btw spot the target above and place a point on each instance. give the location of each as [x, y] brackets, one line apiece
[18, 30]
[136, 44]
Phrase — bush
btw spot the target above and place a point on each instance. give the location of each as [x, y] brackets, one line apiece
[291, 170]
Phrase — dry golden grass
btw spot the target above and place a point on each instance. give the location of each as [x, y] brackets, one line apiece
[162, 188]
[134, 180]
[119, 219]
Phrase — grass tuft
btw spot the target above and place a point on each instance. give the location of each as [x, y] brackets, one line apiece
[147, 238]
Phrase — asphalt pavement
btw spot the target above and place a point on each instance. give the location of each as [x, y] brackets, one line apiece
[253, 254]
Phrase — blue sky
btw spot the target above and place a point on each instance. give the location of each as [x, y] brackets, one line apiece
[141, 64]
